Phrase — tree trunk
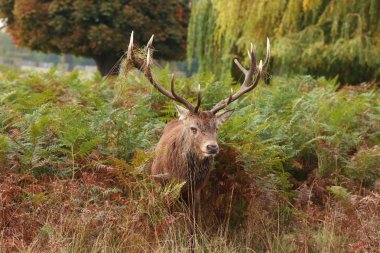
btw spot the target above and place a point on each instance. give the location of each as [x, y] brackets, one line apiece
[107, 64]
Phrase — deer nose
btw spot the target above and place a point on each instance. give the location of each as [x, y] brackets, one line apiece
[212, 149]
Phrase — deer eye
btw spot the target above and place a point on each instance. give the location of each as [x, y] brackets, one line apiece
[194, 130]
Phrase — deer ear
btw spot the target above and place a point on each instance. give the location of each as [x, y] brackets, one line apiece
[223, 116]
[182, 111]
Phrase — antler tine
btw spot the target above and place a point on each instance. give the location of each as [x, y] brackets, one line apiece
[130, 48]
[149, 47]
[253, 52]
[252, 68]
[250, 80]
[150, 42]
[137, 63]
[230, 97]
[268, 54]
[242, 69]
[148, 58]
[199, 99]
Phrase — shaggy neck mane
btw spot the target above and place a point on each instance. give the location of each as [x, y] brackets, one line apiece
[182, 155]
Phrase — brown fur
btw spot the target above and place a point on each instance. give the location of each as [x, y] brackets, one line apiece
[179, 154]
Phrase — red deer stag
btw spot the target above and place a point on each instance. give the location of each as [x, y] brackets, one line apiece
[188, 145]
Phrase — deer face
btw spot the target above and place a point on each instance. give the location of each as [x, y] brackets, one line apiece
[201, 130]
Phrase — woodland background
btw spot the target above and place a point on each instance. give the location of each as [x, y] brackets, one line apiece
[299, 168]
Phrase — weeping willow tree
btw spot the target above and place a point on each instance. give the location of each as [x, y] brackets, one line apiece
[318, 37]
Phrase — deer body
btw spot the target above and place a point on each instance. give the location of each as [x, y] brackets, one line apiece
[187, 147]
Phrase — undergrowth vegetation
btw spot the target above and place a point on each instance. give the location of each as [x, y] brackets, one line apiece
[299, 168]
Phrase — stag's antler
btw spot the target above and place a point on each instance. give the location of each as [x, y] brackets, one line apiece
[144, 65]
[247, 85]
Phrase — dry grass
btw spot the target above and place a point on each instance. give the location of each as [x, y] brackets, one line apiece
[97, 212]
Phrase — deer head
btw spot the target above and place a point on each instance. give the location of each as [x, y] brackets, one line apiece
[201, 126]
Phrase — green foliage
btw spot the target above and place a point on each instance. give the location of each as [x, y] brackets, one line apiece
[101, 134]
[315, 37]
[339, 191]
[365, 165]
[53, 120]
[320, 124]
[306, 120]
